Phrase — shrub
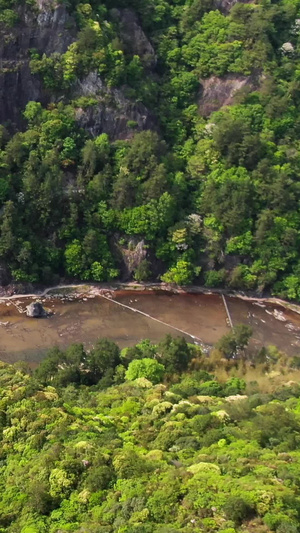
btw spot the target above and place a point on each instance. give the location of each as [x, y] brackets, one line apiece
[237, 510]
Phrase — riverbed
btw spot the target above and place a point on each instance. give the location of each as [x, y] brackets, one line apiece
[126, 317]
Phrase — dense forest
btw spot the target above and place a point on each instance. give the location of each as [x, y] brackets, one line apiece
[151, 439]
[151, 140]
[170, 127]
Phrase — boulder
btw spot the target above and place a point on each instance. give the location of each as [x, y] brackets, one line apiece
[36, 310]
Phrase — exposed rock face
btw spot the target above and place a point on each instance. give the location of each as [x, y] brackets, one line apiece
[51, 30]
[134, 39]
[36, 310]
[46, 31]
[113, 111]
[218, 92]
[131, 256]
[225, 5]
[51, 34]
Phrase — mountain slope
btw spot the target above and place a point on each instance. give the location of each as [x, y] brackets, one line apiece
[171, 126]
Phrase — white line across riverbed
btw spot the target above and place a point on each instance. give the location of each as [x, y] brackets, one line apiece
[45, 292]
[200, 341]
[227, 311]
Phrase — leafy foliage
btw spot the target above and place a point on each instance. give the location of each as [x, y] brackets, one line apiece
[128, 452]
[215, 199]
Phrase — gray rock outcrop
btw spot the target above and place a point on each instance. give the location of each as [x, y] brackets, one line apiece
[225, 5]
[130, 256]
[218, 92]
[44, 31]
[36, 310]
[134, 39]
[112, 113]
[51, 29]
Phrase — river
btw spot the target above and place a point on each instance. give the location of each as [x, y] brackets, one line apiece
[121, 316]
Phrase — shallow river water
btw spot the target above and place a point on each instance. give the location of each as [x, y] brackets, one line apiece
[86, 318]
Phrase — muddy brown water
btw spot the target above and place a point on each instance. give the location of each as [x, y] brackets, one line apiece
[84, 319]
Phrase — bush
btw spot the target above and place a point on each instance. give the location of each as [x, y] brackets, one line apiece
[215, 278]
[237, 510]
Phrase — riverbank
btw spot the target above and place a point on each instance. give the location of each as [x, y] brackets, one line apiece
[101, 288]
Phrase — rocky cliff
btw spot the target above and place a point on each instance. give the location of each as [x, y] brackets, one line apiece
[134, 39]
[112, 112]
[49, 28]
[43, 29]
[217, 92]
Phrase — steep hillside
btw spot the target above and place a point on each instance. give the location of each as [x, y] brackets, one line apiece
[150, 139]
[48, 30]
